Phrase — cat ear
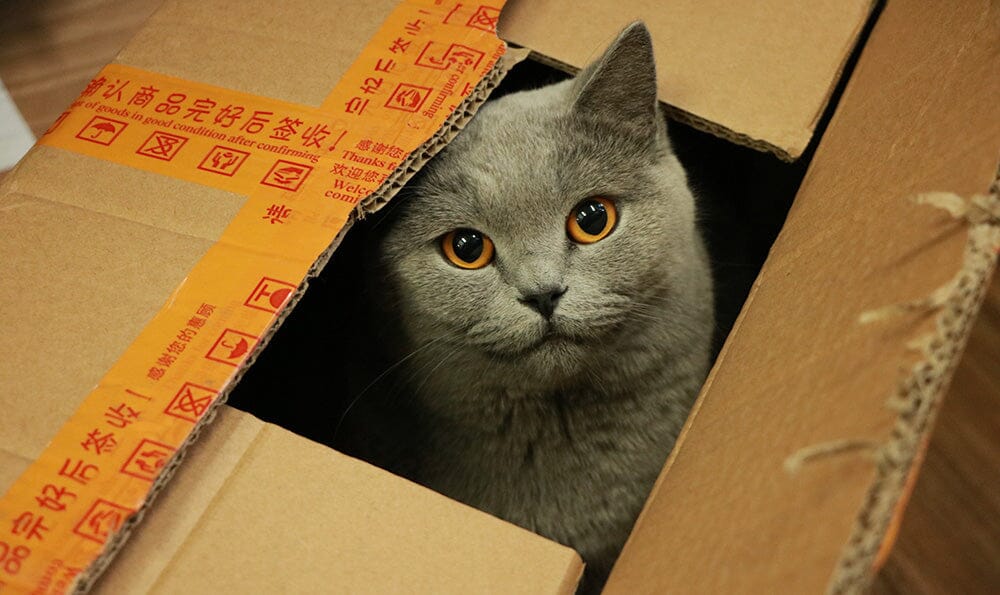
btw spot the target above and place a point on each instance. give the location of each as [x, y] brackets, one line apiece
[621, 85]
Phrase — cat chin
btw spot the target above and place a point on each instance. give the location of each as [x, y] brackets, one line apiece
[550, 357]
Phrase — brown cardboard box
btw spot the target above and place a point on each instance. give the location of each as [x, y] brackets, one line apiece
[254, 507]
[918, 115]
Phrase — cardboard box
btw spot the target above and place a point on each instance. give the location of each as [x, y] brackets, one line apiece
[254, 507]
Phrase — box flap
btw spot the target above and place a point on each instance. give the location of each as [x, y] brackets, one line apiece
[255, 508]
[291, 54]
[95, 249]
[758, 73]
[799, 370]
[79, 284]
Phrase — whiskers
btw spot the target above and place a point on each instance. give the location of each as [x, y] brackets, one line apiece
[433, 367]
[378, 378]
[657, 305]
[503, 337]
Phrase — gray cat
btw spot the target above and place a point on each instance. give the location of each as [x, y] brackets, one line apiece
[544, 299]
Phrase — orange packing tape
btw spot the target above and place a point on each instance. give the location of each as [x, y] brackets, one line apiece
[303, 170]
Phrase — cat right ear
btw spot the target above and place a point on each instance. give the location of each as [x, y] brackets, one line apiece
[621, 85]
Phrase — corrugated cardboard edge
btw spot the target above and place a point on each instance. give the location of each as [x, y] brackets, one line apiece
[458, 119]
[849, 53]
[410, 166]
[699, 123]
[918, 399]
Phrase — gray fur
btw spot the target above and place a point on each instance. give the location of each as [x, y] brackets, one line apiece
[560, 430]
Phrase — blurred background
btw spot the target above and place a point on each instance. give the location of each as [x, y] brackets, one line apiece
[49, 50]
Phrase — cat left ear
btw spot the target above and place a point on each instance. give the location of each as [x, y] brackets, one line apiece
[621, 85]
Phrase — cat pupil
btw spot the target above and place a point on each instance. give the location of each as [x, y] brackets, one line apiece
[468, 245]
[592, 217]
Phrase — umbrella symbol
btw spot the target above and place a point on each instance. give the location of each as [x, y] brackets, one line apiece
[102, 127]
[237, 350]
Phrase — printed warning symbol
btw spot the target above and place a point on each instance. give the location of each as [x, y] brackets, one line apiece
[162, 145]
[101, 130]
[269, 295]
[441, 57]
[102, 520]
[407, 97]
[190, 402]
[286, 175]
[223, 160]
[231, 347]
[485, 18]
[147, 459]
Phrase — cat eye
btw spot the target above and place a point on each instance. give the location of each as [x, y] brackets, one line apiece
[591, 220]
[467, 248]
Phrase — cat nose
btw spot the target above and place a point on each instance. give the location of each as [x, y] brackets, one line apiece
[545, 301]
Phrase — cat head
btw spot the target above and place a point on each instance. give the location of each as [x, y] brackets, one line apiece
[557, 226]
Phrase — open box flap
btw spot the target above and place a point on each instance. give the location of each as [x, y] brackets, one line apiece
[255, 508]
[103, 246]
[800, 370]
[758, 73]
[96, 249]
[296, 54]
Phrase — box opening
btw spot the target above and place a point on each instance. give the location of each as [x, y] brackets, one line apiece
[743, 196]
[883, 149]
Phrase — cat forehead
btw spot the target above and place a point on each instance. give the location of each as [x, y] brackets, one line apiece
[489, 191]
[512, 133]
[506, 160]
[525, 156]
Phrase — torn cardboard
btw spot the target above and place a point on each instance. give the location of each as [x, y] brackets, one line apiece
[918, 115]
[955, 505]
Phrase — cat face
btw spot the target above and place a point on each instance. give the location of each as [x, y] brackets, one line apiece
[555, 227]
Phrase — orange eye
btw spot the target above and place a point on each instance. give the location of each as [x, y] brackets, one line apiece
[467, 248]
[591, 220]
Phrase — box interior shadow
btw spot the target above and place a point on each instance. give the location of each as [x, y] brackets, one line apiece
[298, 382]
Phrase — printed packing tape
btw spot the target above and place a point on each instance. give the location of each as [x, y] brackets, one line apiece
[303, 170]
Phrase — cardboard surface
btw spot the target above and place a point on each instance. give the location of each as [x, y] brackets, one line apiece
[919, 114]
[759, 73]
[115, 244]
[256, 509]
[798, 370]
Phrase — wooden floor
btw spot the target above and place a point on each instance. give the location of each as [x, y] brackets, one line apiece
[950, 538]
[50, 49]
[949, 541]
